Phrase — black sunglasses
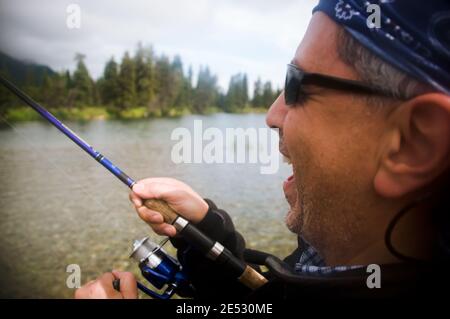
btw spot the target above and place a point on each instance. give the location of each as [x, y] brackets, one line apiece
[296, 78]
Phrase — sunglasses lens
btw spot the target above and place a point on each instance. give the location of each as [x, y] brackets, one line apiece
[291, 86]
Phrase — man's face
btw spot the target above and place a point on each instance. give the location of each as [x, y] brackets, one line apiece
[331, 140]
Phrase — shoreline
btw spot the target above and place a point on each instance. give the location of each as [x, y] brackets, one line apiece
[90, 113]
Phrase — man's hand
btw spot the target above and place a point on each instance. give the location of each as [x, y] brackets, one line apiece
[102, 288]
[183, 199]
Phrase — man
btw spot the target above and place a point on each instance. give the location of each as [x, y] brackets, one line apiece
[369, 143]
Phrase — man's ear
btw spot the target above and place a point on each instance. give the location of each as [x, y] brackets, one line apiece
[416, 149]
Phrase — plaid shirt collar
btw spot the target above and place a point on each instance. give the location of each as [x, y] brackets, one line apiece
[310, 262]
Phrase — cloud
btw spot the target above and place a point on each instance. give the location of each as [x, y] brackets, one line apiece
[252, 36]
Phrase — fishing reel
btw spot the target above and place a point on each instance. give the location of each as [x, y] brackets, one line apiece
[160, 269]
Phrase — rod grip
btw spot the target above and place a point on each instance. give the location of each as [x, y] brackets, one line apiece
[163, 208]
[249, 277]
[252, 279]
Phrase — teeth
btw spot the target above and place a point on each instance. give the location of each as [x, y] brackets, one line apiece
[286, 160]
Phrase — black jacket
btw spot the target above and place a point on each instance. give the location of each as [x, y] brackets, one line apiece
[211, 281]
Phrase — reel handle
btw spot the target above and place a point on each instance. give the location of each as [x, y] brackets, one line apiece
[116, 284]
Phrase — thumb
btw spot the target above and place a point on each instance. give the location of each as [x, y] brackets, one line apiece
[140, 190]
[153, 190]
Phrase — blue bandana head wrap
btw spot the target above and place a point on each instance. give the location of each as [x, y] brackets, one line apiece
[414, 35]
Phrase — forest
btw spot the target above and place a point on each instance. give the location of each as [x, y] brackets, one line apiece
[142, 84]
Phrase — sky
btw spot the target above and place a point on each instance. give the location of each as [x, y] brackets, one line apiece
[258, 37]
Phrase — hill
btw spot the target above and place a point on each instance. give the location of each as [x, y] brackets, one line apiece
[20, 72]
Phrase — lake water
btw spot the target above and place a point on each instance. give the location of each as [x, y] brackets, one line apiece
[59, 207]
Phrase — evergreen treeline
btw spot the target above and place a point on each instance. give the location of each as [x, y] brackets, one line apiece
[158, 84]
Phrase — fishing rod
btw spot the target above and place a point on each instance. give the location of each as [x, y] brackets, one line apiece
[209, 248]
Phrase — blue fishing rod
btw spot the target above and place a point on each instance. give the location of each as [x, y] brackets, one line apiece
[161, 269]
[127, 180]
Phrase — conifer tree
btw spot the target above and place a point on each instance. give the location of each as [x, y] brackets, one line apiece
[82, 82]
[109, 84]
[127, 83]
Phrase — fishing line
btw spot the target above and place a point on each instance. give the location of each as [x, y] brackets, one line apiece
[56, 167]
[190, 233]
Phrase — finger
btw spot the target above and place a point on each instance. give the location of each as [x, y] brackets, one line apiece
[162, 180]
[171, 182]
[158, 228]
[82, 293]
[106, 277]
[179, 185]
[128, 285]
[90, 282]
[152, 189]
[105, 281]
[170, 230]
[136, 200]
[172, 195]
[153, 219]
[150, 216]
[100, 290]
[164, 229]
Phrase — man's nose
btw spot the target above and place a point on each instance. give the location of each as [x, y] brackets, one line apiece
[277, 112]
